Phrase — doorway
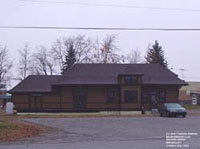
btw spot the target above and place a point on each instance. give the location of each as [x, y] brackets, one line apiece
[35, 102]
[154, 104]
[79, 99]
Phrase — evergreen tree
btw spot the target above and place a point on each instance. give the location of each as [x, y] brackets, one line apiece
[156, 55]
[70, 58]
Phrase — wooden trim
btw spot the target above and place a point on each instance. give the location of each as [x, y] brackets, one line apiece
[11, 98]
[86, 102]
[141, 97]
[35, 102]
[85, 85]
[29, 103]
[120, 98]
[60, 94]
[178, 89]
[66, 103]
[23, 103]
[45, 103]
[41, 102]
[57, 102]
[113, 103]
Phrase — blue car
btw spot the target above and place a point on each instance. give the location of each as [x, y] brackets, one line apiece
[172, 109]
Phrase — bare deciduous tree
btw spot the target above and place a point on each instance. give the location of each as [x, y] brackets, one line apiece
[106, 52]
[5, 66]
[58, 52]
[96, 52]
[81, 44]
[134, 57]
[42, 62]
[24, 62]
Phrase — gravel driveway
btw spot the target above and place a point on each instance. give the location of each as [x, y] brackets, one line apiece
[103, 133]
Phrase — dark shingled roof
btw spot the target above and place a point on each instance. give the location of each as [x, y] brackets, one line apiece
[107, 74]
[100, 74]
[36, 83]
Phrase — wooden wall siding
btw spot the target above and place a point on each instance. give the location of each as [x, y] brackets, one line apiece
[130, 106]
[21, 101]
[104, 106]
[21, 106]
[172, 94]
[66, 94]
[20, 98]
[96, 98]
[67, 106]
[96, 94]
[99, 94]
[171, 91]
[50, 98]
[51, 106]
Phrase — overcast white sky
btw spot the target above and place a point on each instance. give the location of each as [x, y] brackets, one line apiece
[181, 48]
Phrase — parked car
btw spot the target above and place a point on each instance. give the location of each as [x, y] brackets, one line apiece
[172, 109]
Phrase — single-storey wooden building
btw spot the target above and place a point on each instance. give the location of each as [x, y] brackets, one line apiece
[99, 87]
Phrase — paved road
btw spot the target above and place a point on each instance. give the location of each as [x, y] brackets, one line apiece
[111, 133]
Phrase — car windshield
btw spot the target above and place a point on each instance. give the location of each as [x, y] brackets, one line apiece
[173, 105]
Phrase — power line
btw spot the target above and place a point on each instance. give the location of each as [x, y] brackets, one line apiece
[112, 5]
[99, 28]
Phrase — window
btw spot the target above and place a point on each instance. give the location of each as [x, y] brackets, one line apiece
[130, 96]
[111, 96]
[162, 97]
[130, 80]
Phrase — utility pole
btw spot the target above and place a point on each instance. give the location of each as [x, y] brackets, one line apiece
[182, 72]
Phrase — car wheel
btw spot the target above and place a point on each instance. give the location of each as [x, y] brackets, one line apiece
[164, 114]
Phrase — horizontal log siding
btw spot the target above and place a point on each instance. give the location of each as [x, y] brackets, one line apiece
[62, 99]
[172, 93]
[21, 101]
[51, 101]
[97, 98]
[96, 95]
[51, 98]
[66, 95]
[103, 106]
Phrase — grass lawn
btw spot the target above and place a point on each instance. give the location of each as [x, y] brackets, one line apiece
[7, 125]
[12, 130]
[192, 107]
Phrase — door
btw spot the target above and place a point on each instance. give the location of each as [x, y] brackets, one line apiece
[79, 99]
[35, 103]
[153, 101]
